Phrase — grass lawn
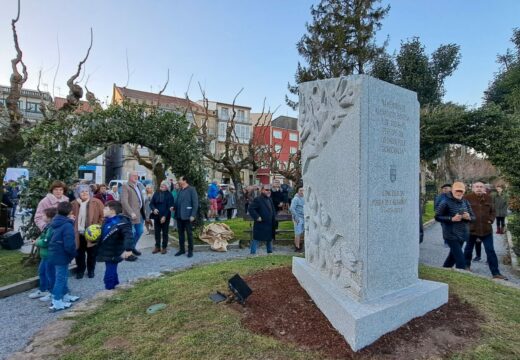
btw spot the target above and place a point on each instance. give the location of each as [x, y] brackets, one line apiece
[429, 213]
[191, 327]
[11, 268]
[239, 226]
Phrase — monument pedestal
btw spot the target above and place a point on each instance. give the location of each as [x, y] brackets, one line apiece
[363, 323]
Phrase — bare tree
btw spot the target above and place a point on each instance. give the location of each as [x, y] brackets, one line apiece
[236, 155]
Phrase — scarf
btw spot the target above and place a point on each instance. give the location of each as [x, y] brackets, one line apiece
[82, 216]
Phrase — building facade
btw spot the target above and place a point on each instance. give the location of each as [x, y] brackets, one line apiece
[119, 159]
[282, 138]
[29, 103]
[241, 116]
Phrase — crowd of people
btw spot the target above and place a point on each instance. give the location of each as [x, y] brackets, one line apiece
[64, 222]
[466, 221]
[66, 215]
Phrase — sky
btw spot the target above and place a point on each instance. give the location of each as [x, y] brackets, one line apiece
[227, 45]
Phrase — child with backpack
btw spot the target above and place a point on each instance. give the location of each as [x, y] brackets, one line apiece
[45, 270]
[62, 249]
[116, 242]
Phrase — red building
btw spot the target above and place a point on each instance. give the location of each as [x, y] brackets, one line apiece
[281, 136]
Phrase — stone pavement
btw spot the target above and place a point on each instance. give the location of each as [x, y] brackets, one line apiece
[433, 253]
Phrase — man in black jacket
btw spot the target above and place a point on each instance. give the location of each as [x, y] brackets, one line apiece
[186, 207]
[263, 212]
[456, 214]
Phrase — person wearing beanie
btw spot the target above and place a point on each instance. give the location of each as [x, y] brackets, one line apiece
[455, 214]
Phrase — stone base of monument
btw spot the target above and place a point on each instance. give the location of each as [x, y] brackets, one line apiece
[363, 323]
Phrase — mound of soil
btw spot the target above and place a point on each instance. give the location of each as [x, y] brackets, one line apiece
[281, 308]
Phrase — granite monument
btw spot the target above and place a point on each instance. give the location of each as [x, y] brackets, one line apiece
[360, 164]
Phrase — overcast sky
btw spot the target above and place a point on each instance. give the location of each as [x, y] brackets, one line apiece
[229, 44]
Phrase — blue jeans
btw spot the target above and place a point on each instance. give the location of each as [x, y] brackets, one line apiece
[268, 244]
[456, 256]
[138, 230]
[110, 279]
[47, 275]
[60, 285]
[492, 259]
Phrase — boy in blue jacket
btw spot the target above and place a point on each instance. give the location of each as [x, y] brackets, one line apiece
[62, 249]
[116, 243]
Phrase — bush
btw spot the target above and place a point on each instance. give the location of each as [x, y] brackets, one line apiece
[513, 225]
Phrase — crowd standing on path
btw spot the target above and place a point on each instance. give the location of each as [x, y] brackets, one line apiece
[94, 227]
[467, 219]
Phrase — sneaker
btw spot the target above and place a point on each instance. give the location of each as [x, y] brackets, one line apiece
[164, 251]
[500, 277]
[46, 298]
[180, 252]
[156, 250]
[58, 305]
[477, 258]
[70, 298]
[136, 252]
[38, 294]
[190, 254]
[131, 258]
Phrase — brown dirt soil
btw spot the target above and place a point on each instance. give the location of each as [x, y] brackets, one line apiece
[281, 308]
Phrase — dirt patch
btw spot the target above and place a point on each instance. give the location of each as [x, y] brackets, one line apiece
[117, 343]
[279, 307]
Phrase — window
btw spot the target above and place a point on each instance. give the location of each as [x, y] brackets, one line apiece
[277, 134]
[32, 107]
[241, 115]
[241, 134]
[294, 150]
[278, 148]
[293, 136]
[224, 113]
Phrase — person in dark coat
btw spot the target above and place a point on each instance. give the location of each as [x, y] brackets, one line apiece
[482, 229]
[455, 214]
[116, 242]
[263, 212]
[186, 208]
[62, 249]
[161, 206]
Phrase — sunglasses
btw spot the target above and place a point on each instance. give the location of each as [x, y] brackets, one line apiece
[459, 191]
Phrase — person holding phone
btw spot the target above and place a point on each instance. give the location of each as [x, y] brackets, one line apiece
[455, 214]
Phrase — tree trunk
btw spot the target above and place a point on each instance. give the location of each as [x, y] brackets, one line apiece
[239, 191]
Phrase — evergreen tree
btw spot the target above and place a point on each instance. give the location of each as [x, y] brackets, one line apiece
[505, 88]
[339, 41]
[415, 70]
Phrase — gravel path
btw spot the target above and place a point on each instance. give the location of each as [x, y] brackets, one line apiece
[434, 253]
[22, 317]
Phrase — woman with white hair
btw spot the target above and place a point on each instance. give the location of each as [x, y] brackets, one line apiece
[87, 210]
[161, 206]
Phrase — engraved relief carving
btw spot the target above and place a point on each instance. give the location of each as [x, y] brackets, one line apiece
[319, 117]
[326, 248]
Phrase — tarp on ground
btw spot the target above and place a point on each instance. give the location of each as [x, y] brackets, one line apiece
[217, 235]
